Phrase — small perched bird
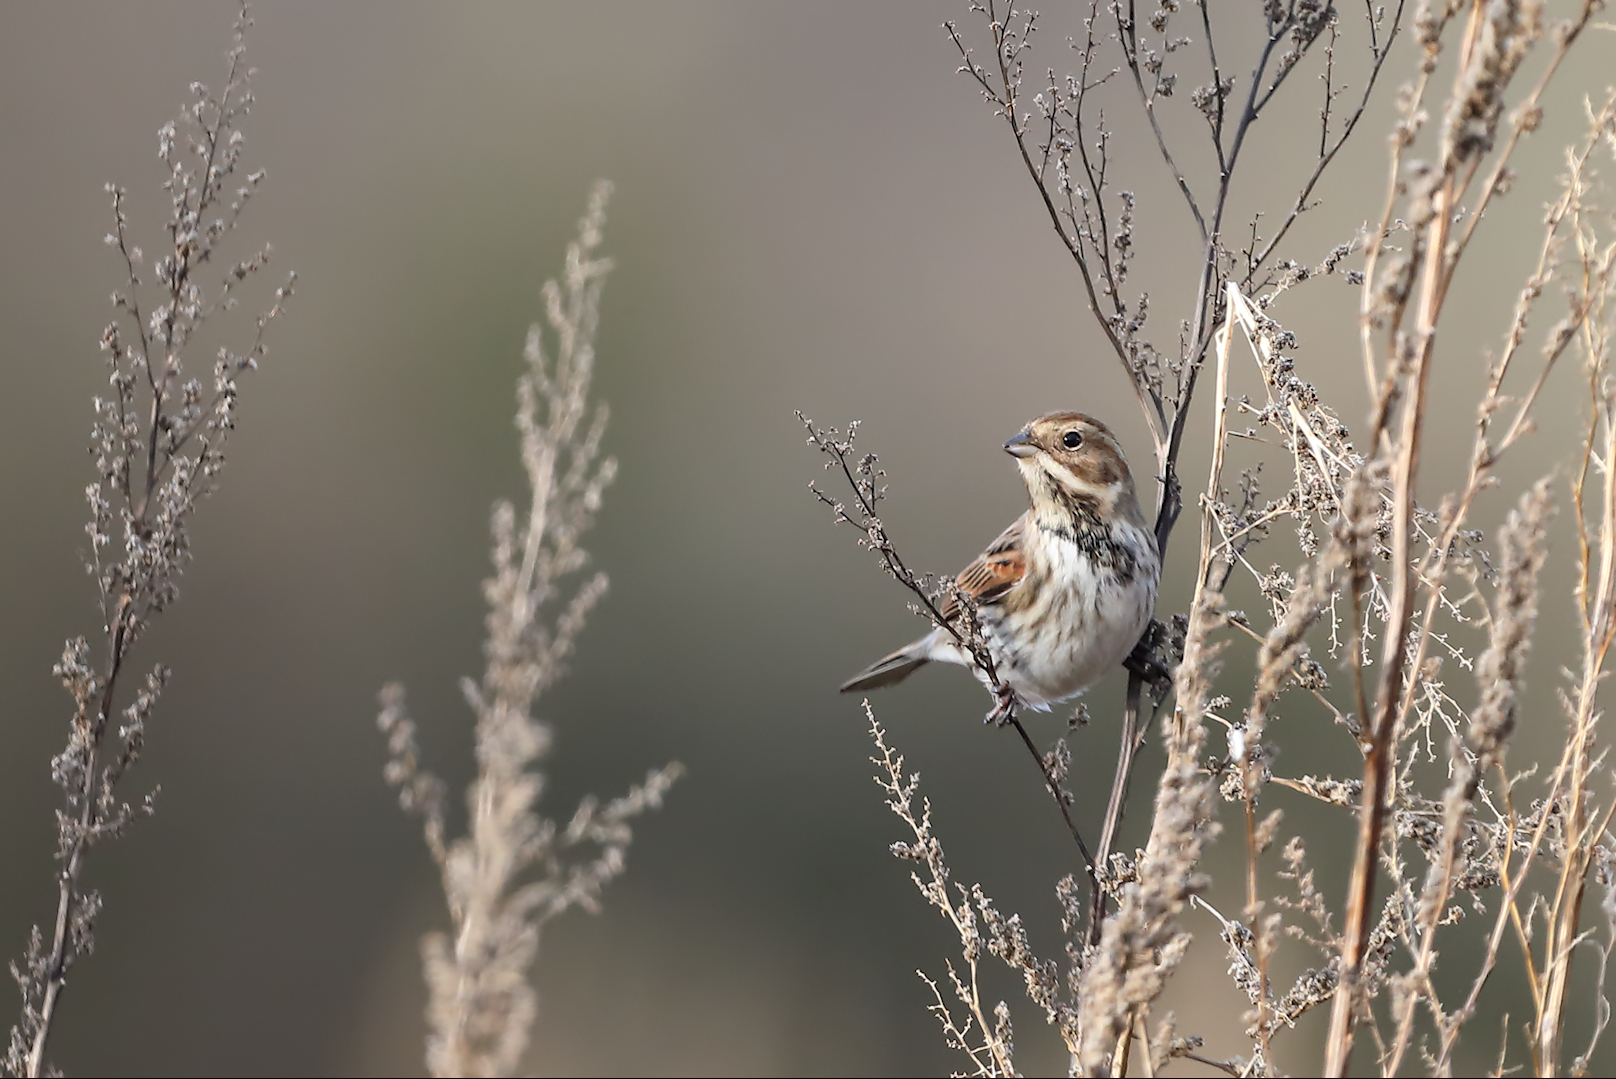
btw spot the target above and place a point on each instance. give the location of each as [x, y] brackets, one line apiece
[1064, 593]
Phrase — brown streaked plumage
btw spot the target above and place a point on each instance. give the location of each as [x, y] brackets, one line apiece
[993, 573]
[1064, 593]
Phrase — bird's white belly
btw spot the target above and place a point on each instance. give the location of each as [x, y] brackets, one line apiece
[1080, 625]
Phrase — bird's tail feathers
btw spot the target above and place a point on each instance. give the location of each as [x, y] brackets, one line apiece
[889, 671]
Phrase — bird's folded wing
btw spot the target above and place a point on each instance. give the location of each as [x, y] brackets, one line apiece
[994, 572]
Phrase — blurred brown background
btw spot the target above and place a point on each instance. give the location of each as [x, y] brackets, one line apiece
[813, 211]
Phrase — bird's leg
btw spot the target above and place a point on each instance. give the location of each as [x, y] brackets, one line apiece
[1004, 708]
[1147, 661]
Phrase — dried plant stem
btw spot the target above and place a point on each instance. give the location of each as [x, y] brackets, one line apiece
[1220, 439]
[1483, 457]
[1054, 788]
[994, 1055]
[1493, 51]
[1128, 742]
[1382, 728]
[1578, 832]
[1120, 1057]
[1140, 945]
[68, 895]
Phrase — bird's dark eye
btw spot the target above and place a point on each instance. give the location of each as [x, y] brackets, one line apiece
[1072, 439]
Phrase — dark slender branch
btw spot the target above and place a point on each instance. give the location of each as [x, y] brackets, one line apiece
[876, 537]
[1127, 36]
[67, 881]
[1054, 789]
[1217, 91]
[1006, 104]
[1329, 88]
[1209, 287]
[1225, 1066]
[1326, 157]
[1128, 742]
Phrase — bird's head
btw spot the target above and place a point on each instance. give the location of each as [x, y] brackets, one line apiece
[1068, 458]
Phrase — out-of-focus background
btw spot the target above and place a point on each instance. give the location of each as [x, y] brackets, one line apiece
[813, 211]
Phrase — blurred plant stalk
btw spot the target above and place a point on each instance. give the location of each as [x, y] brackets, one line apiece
[514, 870]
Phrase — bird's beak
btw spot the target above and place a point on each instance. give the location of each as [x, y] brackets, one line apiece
[1020, 445]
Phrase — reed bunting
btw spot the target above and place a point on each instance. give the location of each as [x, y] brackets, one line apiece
[1064, 593]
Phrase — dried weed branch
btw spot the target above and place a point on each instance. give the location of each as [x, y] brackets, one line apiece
[1402, 307]
[158, 443]
[514, 870]
[1062, 137]
[1390, 591]
[991, 1048]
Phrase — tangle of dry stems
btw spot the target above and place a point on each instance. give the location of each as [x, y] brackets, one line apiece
[1390, 592]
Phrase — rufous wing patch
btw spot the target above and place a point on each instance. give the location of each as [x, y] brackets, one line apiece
[993, 573]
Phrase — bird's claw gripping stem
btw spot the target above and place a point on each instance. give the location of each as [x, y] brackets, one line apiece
[1004, 710]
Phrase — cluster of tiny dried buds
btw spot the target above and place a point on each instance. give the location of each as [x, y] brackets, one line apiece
[158, 443]
[989, 1045]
